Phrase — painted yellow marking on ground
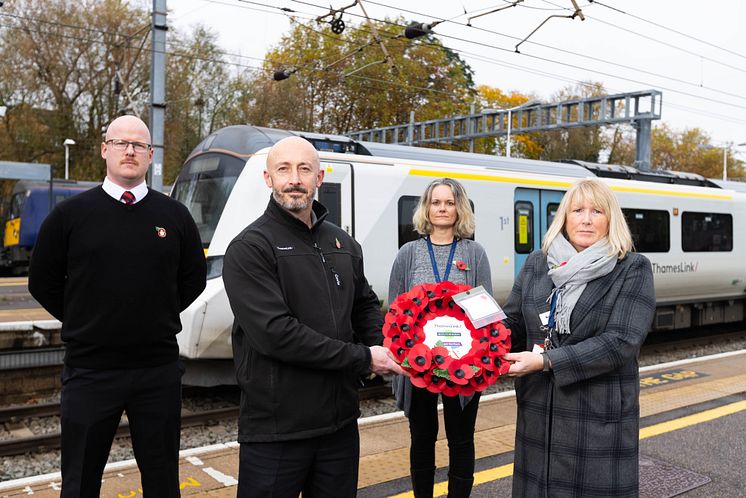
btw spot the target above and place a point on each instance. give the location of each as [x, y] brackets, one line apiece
[694, 419]
[503, 471]
[13, 284]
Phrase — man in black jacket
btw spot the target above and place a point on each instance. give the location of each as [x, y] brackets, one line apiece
[116, 265]
[300, 299]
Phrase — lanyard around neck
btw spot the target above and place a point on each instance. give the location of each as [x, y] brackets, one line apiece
[436, 273]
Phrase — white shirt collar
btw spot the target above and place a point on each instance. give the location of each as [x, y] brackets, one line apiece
[114, 190]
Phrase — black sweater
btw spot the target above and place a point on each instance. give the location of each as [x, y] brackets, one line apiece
[117, 277]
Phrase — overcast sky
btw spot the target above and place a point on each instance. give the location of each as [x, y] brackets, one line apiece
[692, 51]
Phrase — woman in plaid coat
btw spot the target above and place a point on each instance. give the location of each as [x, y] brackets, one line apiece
[579, 312]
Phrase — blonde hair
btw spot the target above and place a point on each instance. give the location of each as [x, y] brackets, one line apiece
[464, 226]
[601, 196]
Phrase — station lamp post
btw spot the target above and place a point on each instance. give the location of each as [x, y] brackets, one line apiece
[67, 143]
[726, 147]
[530, 103]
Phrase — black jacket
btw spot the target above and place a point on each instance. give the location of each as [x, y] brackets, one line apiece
[300, 301]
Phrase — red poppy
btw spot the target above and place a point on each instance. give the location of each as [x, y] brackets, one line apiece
[446, 287]
[435, 369]
[437, 384]
[460, 371]
[451, 389]
[441, 357]
[421, 379]
[462, 266]
[420, 357]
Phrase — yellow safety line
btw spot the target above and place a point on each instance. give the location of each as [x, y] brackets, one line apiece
[503, 471]
[548, 183]
[689, 420]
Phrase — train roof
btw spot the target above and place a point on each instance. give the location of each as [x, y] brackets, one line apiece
[735, 186]
[468, 158]
[244, 140]
[656, 176]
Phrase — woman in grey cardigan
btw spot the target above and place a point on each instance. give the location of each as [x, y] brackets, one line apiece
[444, 218]
[579, 312]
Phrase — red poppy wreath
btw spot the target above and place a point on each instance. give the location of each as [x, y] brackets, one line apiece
[434, 340]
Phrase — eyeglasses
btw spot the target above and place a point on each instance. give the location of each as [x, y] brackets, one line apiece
[122, 145]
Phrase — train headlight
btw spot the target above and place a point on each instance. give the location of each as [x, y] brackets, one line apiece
[214, 266]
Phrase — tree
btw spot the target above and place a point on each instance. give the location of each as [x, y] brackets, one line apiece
[585, 143]
[343, 83]
[522, 145]
[689, 150]
[57, 71]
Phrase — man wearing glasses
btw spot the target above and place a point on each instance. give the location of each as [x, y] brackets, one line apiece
[116, 265]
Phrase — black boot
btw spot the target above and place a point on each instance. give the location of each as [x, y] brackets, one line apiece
[458, 487]
[423, 482]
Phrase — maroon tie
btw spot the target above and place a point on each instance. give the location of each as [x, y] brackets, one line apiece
[128, 197]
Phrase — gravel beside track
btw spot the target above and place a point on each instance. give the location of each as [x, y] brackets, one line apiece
[226, 430]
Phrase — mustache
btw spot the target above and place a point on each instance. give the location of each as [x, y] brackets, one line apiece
[298, 188]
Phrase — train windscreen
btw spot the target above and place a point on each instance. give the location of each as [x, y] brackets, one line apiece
[203, 186]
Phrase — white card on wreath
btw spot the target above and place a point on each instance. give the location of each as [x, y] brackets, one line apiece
[479, 306]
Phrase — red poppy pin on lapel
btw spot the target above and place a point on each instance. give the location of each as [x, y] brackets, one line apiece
[462, 266]
[161, 232]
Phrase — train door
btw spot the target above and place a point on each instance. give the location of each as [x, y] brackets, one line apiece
[336, 195]
[534, 211]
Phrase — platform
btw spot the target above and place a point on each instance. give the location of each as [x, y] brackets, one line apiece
[690, 411]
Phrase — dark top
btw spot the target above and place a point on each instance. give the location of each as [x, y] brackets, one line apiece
[117, 277]
[301, 304]
[577, 426]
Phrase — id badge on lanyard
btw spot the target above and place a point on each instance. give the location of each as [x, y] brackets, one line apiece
[547, 321]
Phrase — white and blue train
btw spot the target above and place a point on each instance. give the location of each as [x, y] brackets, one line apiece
[685, 224]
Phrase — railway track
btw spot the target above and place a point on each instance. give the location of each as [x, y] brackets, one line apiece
[693, 342]
[14, 416]
[43, 442]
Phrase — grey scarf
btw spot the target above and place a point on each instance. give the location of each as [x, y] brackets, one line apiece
[571, 271]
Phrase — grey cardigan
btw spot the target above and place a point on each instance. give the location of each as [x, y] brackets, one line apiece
[400, 281]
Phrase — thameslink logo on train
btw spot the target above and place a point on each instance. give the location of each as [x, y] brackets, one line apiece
[682, 267]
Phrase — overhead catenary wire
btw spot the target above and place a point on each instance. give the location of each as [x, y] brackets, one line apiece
[545, 59]
[317, 6]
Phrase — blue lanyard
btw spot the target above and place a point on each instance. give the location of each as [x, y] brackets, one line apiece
[436, 273]
[552, 309]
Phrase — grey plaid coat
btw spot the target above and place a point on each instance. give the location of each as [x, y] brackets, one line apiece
[578, 426]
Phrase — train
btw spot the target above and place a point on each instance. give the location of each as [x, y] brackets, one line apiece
[684, 223]
[25, 206]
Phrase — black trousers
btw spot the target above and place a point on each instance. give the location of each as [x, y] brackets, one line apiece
[320, 467]
[92, 405]
[423, 428]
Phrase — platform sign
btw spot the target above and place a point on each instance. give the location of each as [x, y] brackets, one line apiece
[669, 376]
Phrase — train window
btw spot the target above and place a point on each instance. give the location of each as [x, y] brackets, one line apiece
[524, 227]
[651, 229]
[203, 186]
[406, 206]
[16, 205]
[706, 232]
[330, 195]
[551, 212]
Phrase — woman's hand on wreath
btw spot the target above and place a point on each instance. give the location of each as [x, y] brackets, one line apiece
[382, 362]
[524, 363]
